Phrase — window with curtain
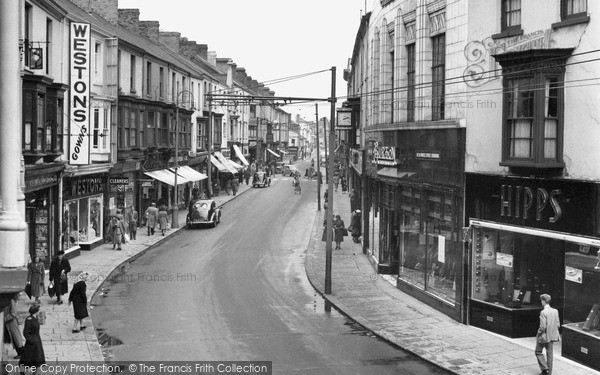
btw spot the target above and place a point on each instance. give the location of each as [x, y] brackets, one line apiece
[573, 9]
[533, 120]
[511, 15]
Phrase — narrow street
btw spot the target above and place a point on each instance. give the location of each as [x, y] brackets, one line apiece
[240, 292]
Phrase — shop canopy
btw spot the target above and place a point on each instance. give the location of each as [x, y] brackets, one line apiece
[394, 172]
[166, 176]
[218, 164]
[283, 152]
[224, 161]
[274, 153]
[235, 165]
[239, 154]
[189, 173]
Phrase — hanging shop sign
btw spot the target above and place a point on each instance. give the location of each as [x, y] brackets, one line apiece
[384, 155]
[79, 103]
[118, 180]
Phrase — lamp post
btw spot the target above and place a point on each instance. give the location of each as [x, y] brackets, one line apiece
[175, 208]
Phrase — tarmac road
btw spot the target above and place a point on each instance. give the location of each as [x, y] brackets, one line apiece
[239, 292]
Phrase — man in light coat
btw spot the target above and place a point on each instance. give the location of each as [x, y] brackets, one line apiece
[547, 334]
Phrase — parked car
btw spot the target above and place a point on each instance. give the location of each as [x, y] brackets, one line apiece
[290, 170]
[261, 179]
[203, 212]
[279, 167]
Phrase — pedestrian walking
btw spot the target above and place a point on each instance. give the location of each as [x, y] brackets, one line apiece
[336, 181]
[118, 231]
[33, 350]
[151, 217]
[35, 277]
[163, 219]
[11, 324]
[132, 220]
[78, 298]
[234, 186]
[59, 270]
[339, 231]
[547, 334]
[344, 185]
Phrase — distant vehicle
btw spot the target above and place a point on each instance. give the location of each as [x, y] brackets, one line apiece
[261, 179]
[203, 212]
[290, 170]
[279, 167]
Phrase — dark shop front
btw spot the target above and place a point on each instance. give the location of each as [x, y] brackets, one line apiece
[530, 237]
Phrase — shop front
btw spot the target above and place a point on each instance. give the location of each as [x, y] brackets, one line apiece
[83, 215]
[414, 213]
[42, 210]
[533, 236]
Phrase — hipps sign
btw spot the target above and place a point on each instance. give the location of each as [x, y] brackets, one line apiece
[79, 124]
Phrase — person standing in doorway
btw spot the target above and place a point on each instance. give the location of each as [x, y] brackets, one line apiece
[151, 216]
[59, 269]
[547, 334]
[11, 324]
[35, 277]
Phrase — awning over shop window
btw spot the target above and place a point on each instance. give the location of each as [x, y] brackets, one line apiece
[274, 153]
[283, 152]
[393, 172]
[224, 161]
[165, 176]
[239, 154]
[218, 164]
[235, 165]
[190, 174]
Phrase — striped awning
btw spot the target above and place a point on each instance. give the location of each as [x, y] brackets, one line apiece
[239, 154]
[224, 161]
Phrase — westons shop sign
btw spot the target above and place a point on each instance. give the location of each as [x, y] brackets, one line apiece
[79, 140]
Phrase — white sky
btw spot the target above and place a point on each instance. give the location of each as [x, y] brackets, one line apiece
[271, 39]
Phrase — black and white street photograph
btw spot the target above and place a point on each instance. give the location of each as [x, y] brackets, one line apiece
[308, 187]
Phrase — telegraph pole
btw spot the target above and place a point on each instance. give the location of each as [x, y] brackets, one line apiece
[318, 160]
[329, 212]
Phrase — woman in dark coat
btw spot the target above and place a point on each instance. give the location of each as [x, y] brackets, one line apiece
[338, 231]
[59, 269]
[79, 300]
[35, 277]
[33, 351]
[11, 323]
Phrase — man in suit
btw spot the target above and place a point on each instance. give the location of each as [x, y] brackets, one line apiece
[547, 334]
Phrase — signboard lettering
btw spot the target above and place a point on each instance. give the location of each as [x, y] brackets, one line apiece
[520, 201]
[79, 141]
[384, 155]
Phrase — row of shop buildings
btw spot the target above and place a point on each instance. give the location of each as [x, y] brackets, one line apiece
[114, 110]
[474, 159]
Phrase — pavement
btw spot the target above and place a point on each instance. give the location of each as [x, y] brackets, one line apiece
[56, 321]
[376, 303]
[358, 291]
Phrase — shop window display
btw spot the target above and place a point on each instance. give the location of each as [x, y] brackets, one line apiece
[82, 221]
[581, 330]
[512, 270]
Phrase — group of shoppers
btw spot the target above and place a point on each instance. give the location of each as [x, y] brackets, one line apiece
[28, 346]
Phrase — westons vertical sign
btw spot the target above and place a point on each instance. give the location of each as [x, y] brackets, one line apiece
[79, 125]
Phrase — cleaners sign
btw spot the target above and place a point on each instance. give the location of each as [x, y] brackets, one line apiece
[79, 124]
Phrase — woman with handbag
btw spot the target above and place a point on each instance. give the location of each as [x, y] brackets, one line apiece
[339, 230]
[59, 268]
[35, 277]
[12, 325]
